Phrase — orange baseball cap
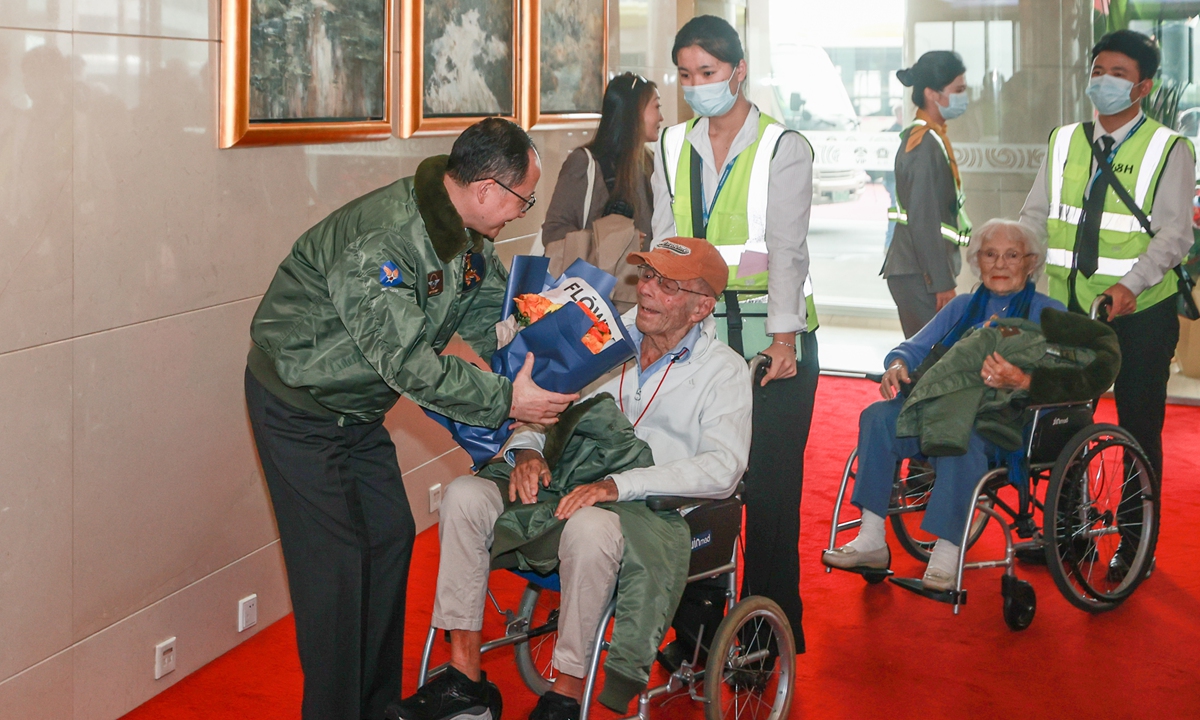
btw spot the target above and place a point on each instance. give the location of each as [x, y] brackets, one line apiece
[684, 258]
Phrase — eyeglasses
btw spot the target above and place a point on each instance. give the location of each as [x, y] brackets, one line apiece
[991, 257]
[529, 201]
[669, 286]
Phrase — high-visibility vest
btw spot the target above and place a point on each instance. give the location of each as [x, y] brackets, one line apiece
[1138, 163]
[959, 233]
[738, 220]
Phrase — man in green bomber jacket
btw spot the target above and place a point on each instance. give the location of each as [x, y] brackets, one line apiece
[356, 316]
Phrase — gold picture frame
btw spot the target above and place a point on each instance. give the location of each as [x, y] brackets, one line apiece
[538, 115]
[434, 102]
[238, 127]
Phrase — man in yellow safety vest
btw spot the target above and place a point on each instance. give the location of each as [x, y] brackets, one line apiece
[1097, 245]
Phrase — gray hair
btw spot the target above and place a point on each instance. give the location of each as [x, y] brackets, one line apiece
[1014, 230]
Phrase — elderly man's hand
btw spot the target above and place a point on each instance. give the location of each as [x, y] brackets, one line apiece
[943, 298]
[783, 358]
[603, 491]
[1001, 374]
[530, 471]
[531, 404]
[1124, 302]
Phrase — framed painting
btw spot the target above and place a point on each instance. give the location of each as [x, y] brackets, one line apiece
[461, 61]
[570, 40]
[305, 71]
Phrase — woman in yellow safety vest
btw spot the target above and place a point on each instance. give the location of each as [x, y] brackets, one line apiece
[743, 181]
[923, 260]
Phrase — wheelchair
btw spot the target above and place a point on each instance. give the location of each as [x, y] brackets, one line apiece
[1101, 500]
[751, 658]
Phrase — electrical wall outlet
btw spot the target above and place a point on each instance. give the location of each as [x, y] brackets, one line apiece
[247, 612]
[164, 658]
[435, 498]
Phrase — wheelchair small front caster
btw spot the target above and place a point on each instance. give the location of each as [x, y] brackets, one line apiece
[1020, 602]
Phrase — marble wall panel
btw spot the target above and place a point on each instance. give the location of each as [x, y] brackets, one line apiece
[35, 187]
[167, 483]
[114, 669]
[36, 14]
[195, 19]
[35, 506]
[43, 692]
[442, 470]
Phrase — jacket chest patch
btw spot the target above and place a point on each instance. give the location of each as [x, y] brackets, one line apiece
[389, 274]
[435, 283]
[474, 268]
[1008, 331]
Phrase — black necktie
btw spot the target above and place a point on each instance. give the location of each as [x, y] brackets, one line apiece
[1088, 239]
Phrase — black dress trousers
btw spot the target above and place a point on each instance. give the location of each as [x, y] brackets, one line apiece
[347, 536]
[1148, 339]
[782, 416]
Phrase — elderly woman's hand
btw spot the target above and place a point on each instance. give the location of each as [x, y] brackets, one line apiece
[1001, 374]
[889, 384]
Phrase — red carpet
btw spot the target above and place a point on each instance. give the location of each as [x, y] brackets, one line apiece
[874, 651]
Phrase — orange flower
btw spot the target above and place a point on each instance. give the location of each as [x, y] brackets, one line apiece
[531, 307]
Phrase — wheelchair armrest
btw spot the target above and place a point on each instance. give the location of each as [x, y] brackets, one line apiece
[675, 502]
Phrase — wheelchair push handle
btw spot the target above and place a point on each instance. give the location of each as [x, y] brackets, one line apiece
[1102, 303]
[759, 365]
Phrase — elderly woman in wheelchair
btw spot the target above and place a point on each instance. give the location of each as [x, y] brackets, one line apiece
[1007, 258]
[585, 499]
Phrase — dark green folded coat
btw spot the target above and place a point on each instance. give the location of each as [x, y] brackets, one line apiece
[1070, 359]
[591, 441]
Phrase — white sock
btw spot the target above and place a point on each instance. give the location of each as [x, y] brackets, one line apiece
[870, 534]
[944, 557]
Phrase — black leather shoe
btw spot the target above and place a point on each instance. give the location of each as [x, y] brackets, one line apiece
[450, 696]
[553, 706]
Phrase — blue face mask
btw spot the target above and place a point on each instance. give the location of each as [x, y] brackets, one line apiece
[711, 100]
[957, 106]
[1109, 94]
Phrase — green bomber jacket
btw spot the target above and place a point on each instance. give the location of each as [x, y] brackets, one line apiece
[591, 441]
[360, 311]
[1069, 357]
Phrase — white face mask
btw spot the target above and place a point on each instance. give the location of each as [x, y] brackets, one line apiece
[711, 100]
[957, 106]
[1109, 94]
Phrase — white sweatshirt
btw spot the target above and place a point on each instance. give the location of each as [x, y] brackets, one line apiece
[698, 425]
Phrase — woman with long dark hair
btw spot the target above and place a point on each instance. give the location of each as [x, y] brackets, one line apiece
[923, 259]
[615, 164]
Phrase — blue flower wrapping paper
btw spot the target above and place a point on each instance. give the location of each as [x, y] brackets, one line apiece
[562, 363]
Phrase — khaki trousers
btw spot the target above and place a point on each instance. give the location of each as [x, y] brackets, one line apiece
[589, 557]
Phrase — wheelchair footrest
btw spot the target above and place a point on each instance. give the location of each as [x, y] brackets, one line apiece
[871, 575]
[949, 597]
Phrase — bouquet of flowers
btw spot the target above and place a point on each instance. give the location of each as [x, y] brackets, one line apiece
[569, 324]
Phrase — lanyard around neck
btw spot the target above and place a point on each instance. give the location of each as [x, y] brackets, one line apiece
[621, 386]
[1111, 153]
[708, 208]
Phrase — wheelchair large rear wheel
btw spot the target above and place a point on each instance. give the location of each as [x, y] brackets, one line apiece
[537, 614]
[752, 664]
[910, 494]
[1102, 501]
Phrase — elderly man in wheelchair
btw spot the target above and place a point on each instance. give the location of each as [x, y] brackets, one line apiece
[956, 410]
[573, 499]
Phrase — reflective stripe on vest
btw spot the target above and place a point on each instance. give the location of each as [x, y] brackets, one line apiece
[1122, 239]
[960, 235]
[744, 195]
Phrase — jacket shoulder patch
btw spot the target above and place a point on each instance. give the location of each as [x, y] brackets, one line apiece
[389, 274]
